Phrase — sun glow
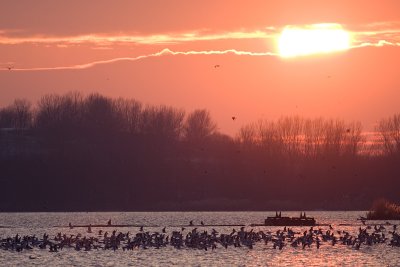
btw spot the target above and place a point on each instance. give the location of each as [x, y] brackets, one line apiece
[313, 39]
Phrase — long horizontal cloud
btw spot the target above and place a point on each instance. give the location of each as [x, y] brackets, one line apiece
[167, 51]
[157, 54]
[376, 39]
[387, 31]
[99, 39]
[379, 43]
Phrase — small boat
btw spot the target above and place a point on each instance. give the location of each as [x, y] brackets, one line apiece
[278, 220]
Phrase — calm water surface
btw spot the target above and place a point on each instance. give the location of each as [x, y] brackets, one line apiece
[261, 255]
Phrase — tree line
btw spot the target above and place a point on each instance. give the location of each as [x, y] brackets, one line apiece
[76, 152]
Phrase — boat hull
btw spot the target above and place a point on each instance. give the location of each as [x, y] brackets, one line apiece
[289, 221]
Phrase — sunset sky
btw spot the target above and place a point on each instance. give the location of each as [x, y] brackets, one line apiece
[166, 52]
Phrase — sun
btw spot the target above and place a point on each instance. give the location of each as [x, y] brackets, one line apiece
[313, 39]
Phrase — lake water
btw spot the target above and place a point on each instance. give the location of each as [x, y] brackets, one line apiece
[260, 255]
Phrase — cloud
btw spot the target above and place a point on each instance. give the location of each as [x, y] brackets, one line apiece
[379, 43]
[377, 34]
[371, 35]
[102, 39]
[165, 51]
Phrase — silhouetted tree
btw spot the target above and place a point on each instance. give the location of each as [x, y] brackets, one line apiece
[162, 121]
[128, 112]
[247, 135]
[289, 131]
[98, 153]
[313, 137]
[389, 130]
[60, 117]
[18, 115]
[99, 118]
[354, 139]
[199, 126]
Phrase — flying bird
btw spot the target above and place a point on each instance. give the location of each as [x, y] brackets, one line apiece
[10, 68]
[217, 66]
[233, 118]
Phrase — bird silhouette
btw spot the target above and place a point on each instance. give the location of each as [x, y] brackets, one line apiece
[216, 66]
[10, 68]
[233, 118]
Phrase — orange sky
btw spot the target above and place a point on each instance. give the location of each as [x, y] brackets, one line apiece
[164, 52]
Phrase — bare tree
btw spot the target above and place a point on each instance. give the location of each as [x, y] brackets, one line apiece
[128, 111]
[48, 114]
[99, 119]
[389, 130]
[162, 121]
[23, 114]
[61, 115]
[354, 140]
[289, 130]
[313, 137]
[199, 125]
[18, 115]
[334, 135]
[269, 137]
[247, 135]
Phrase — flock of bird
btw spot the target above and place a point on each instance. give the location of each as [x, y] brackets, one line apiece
[205, 240]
